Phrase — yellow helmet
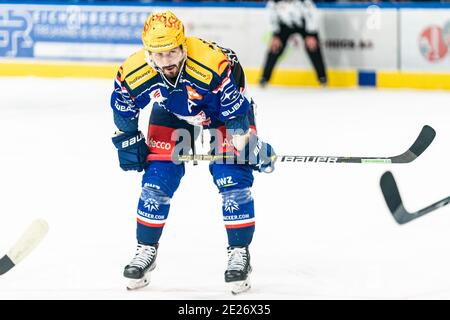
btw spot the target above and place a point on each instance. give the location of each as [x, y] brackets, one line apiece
[163, 31]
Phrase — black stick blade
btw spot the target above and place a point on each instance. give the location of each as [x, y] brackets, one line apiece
[395, 203]
[6, 264]
[423, 141]
[392, 198]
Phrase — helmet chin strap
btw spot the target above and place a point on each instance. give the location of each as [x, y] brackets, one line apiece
[152, 63]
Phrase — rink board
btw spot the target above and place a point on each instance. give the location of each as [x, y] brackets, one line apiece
[387, 46]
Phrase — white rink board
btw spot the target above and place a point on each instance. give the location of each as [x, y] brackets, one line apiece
[371, 33]
[88, 32]
[425, 40]
[365, 38]
[244, 30]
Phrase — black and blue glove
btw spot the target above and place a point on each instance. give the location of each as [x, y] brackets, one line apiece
[132, 150]
[258, 154]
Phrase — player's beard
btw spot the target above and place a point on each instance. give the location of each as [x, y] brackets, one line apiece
[172, 71]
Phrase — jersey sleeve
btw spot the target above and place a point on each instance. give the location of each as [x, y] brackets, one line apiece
[121, 101]
[125, 112]
[232, 101]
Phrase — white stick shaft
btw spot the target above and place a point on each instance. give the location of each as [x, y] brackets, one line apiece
[28, 241]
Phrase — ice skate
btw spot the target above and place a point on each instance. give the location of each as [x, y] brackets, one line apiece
[238, 287]
[134, 284]
[140, 267]
[237, 275]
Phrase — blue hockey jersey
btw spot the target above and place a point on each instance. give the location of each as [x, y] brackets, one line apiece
[206, 89]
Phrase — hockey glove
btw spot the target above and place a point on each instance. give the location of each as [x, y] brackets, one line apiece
[132, 150]
[258, 154]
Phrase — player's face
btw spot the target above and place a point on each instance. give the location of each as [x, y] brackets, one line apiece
[169, 61]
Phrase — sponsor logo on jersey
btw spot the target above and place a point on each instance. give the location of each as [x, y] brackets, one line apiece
[139, 77]
[151, 185]
[159, 144]
[225, 182]
[204, 76]
[236, 217]
[151, 205]
[151, 216]
[122, 108]
[229, 96]
[231, 206]
[308, 159]
[233, 109]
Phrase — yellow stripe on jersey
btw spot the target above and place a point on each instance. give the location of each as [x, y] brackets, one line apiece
[198, 72]
[136, 71]
[207, 54]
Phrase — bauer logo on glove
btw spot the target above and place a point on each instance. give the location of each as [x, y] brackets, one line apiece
[132, 140]
[132, 150]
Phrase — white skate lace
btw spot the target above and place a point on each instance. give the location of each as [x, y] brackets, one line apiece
[144, 256]
[237, 259]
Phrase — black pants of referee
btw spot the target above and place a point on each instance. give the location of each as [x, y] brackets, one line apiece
[314, 55]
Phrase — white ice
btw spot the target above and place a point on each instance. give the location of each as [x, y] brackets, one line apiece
[323, 231]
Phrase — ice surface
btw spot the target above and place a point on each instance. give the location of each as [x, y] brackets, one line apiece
[323, 231]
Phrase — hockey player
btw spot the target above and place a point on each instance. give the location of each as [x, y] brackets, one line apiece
[287, 18]
[189, 83]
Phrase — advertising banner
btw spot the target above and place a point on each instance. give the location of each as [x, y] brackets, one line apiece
[70, 32]
[360, 38]
[425, 40]
[351, 38]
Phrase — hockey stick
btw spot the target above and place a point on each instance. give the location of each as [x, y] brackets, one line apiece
[395, 203]
[26, 243]
[422, 142]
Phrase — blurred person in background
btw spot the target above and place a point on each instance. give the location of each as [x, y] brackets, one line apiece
[289, 17]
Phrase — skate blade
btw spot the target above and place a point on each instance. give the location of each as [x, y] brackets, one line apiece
[238, 287]
[138, 283]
